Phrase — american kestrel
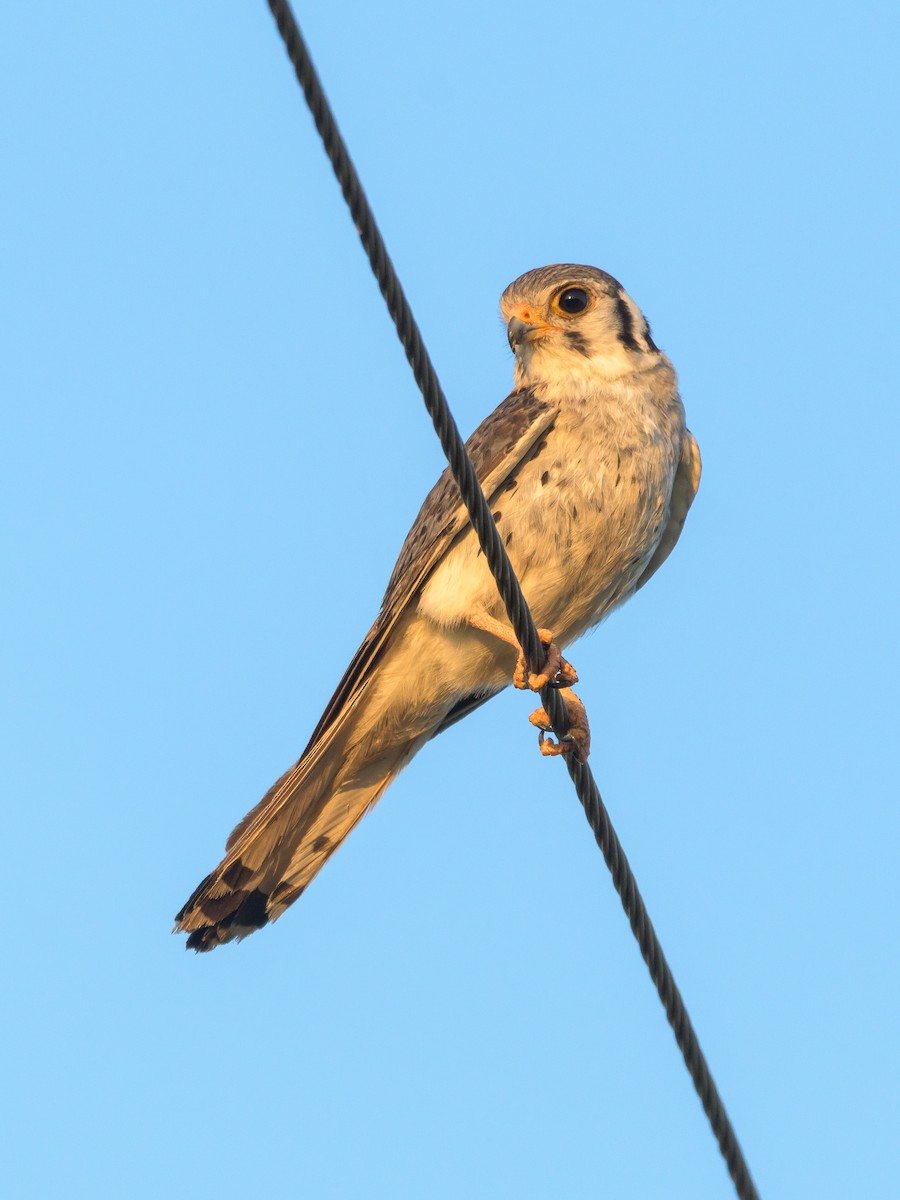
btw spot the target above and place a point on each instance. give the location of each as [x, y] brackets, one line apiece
[590, 472]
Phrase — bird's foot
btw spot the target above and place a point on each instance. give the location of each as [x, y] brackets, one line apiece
[556, 672]
[577, 739]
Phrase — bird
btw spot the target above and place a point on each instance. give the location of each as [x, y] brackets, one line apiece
[590, 471]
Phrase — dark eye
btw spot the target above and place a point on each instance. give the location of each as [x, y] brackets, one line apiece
[573, 300]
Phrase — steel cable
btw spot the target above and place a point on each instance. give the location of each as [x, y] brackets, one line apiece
[511, 593]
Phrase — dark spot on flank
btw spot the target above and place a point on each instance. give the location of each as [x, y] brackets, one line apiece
[618, 459]
[237, 874]
[618, 480]
[321, 843]
[508, 539]
[626, 324]
[574, 512]
[510, 485]
[497, 515]
[541, 446]
[545, 479]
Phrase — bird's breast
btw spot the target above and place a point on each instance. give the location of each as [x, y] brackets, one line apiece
[580, 518]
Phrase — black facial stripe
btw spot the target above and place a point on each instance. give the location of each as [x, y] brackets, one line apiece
[577, 341]
[626, 324]
[648, 339]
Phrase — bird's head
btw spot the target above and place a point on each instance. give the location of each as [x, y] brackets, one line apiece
[567, 323]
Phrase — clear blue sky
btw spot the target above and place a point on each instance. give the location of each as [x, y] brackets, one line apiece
[212, 450]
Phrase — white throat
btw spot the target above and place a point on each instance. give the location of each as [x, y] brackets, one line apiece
[548, 367]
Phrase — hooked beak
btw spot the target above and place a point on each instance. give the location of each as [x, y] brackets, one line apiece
[518, 332]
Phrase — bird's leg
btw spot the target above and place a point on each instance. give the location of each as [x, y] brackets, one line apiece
[556, 670]
[577, 740]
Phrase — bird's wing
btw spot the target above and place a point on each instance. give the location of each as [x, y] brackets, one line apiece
[497, 448]
[684, 489]
[291, 807]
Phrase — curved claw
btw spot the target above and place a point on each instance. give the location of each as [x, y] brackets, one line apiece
[577, 740]
[565, 675]
[557, 671]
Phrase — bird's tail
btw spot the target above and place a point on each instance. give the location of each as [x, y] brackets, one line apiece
[281, 845]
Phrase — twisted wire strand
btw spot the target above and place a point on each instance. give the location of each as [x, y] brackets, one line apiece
[510, 592]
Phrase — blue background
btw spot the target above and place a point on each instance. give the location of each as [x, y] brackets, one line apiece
[212, 450]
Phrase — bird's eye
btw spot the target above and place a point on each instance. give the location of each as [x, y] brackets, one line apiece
[572, 301]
